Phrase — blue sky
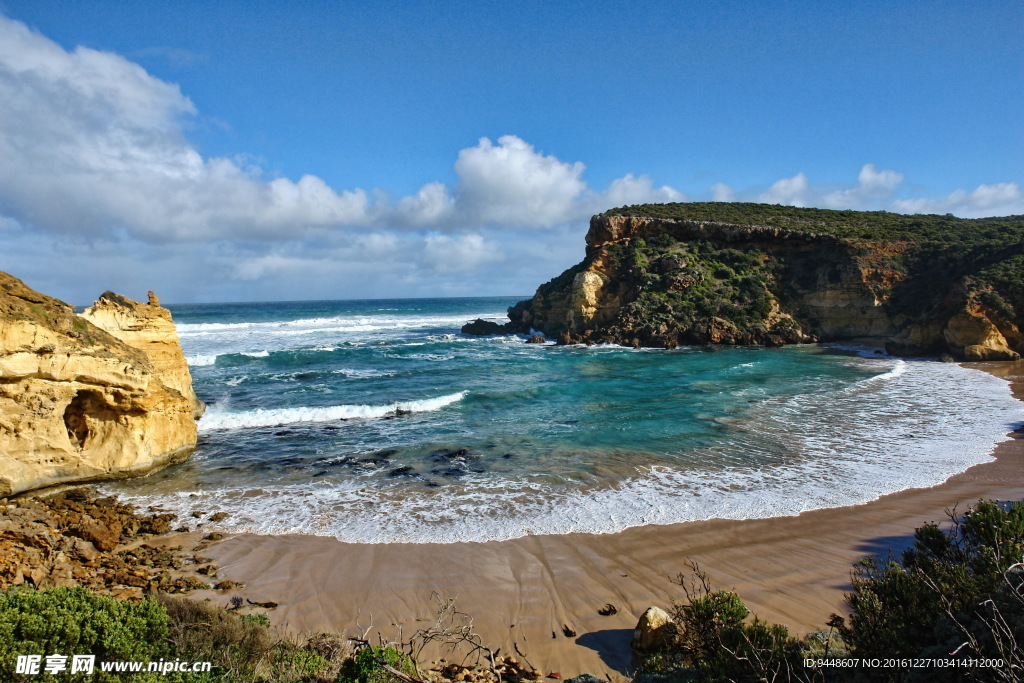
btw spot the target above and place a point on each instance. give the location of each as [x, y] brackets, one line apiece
[257, 150]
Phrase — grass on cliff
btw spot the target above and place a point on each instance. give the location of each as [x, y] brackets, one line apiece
[689, 282]
[855, 225]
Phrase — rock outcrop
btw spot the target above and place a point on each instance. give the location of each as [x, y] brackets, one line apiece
[149, 328]
[653, 629]
[77, 403]
[650, 281]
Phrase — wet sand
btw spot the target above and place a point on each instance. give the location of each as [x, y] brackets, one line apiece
[522, 593]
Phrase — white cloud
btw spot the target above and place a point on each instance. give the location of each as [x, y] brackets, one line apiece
[720, 192]
[431, 205]
[91, 142]
[95, 167]
[873, 186]
[792, 191]
[636, 190]
[459, 253]
[997, 199]
[511, 183]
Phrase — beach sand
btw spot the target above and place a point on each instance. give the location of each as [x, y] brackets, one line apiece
[521, 593]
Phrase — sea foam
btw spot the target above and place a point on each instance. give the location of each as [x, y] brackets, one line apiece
[903, 427]
[261, 417]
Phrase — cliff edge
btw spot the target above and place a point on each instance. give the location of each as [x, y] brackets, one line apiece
[719, 273]
[99, 396]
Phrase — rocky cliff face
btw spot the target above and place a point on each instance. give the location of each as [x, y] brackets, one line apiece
[663, 282]
[149, 328]
[78, 403]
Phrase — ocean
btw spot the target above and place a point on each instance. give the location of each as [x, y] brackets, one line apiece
[377, 421]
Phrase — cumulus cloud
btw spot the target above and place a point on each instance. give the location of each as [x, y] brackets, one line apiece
[459, 253]
[880, 190]
[95, 166]
[872, 186]
[996, 199]
[512, 183]
[91, 142]
[720, 192]
[793, 191]
[637, 190]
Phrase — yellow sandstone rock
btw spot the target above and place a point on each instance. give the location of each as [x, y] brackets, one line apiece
[80, 403]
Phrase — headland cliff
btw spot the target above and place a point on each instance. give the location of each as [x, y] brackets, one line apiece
[732, 273]
[102, 395]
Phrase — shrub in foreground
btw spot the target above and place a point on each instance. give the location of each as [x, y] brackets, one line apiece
[956, 594]
[241, 647]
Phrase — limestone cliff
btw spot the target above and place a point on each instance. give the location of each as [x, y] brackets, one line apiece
[664, 281]
[147, 327]
[77, 403]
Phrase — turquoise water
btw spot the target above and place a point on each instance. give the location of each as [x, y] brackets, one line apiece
[377, 421]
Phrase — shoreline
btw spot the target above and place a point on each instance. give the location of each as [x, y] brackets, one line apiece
[523, 592]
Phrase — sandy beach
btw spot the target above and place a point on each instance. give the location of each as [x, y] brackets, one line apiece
[522, 593]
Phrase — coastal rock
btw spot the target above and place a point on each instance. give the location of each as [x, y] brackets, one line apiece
[77, 403]
[149, 328]
[976, 338]
[43, 542]
[654, 627]
[481, 327]
[536, 339]
[661, 282]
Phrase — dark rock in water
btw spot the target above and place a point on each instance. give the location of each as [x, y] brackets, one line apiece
[404, 471]
[375, 460]
[450, 456]
[536, 339]
[508, 456]
[451, 472]
[330, 428]
[399, 411]
[481, 327]
[284, 432]
[431, 483]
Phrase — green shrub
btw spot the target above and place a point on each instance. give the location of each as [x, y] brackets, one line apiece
[366, 666]
[71, 621]
[956, 593]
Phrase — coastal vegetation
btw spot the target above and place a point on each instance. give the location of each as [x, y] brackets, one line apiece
[849, 224]
[240, 647]
[956, 595]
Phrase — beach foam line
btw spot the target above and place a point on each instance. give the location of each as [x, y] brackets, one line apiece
[349, 323]
[261, 417]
